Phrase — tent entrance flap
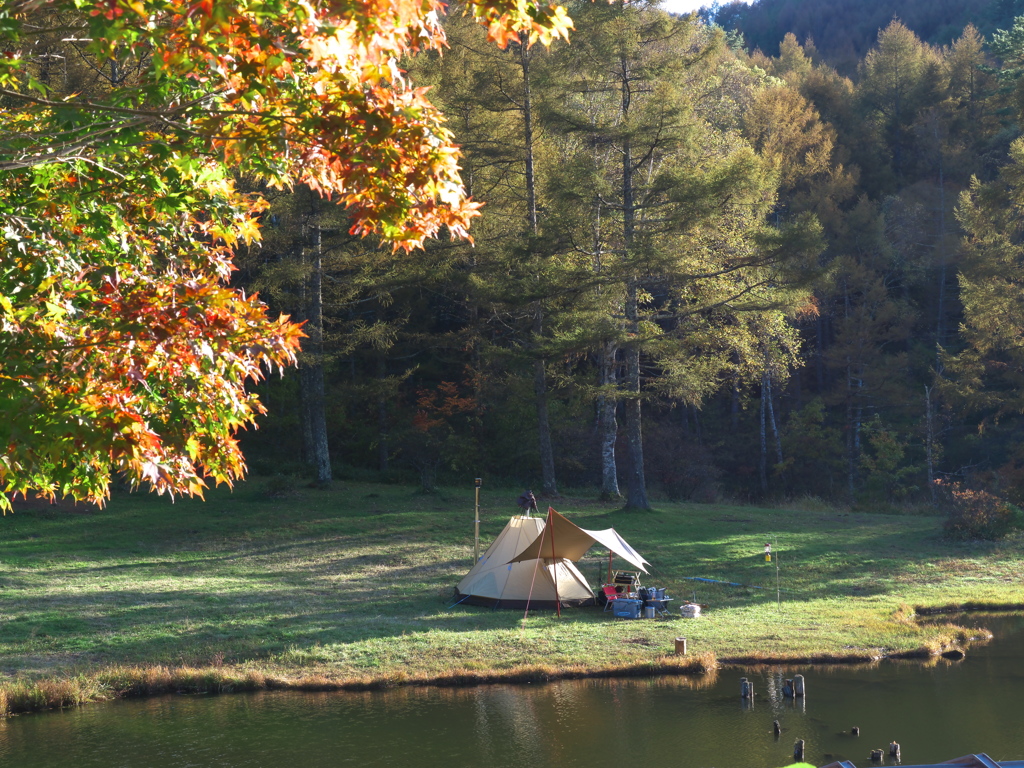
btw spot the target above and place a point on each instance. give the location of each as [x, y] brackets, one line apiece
[572, 542]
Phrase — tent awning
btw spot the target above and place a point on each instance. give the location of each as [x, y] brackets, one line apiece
[562, 538]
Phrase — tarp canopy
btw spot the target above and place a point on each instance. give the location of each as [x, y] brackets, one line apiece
[563, 539]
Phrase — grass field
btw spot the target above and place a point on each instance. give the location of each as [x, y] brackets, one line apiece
[352, 586]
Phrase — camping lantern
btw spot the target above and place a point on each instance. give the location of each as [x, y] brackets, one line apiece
[768, 552]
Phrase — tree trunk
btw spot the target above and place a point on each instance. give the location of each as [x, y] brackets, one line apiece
[383, 448]
[311, 379]
[607, 425]
[771, 419]
[312, 383]
[929, 415]
[540, 385]
[636, 493]
[547, 453]
[763, 458]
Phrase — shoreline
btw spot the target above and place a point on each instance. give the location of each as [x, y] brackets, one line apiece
[348, 588]
[46, 694]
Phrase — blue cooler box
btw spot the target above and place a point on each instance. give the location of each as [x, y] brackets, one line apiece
[626, 609]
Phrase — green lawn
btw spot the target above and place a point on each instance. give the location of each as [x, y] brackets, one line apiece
[354, 585]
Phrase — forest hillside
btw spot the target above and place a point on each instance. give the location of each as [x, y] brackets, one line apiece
[843, 31]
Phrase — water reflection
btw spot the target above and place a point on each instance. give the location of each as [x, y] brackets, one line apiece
[935, 713]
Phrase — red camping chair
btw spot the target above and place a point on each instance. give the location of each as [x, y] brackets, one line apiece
[612, 592]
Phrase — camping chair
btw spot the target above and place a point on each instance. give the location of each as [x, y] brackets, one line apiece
[611, 594]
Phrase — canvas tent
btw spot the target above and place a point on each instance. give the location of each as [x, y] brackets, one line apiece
[496, 581]
[531, 563]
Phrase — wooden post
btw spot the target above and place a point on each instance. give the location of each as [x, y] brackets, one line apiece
[798, 751]
[894, 751]
[855, 731]
[798, 685]
[777, 728]
[476, 525]
[746, 688]
[680, 646]
[876, 755]
[787, 689]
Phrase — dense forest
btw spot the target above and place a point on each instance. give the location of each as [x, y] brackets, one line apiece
[699, 273]
[843, 31]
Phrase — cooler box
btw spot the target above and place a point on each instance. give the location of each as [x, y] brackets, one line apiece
[626, 609]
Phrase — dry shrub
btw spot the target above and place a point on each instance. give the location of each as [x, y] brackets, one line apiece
[137, 681]
[316, 683]
[60, 693]
[254, 680]
[976, 513]
[24, 697]
[202, 680]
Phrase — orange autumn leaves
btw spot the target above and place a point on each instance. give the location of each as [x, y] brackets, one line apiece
[126, 350]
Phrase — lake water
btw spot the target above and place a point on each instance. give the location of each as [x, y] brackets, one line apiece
[936, 713]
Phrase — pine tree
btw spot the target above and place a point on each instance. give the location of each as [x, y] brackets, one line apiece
[676, 205]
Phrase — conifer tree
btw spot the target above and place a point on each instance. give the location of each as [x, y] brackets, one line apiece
[675, 203]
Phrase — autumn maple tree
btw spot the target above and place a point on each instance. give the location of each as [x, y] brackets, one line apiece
[122, 126]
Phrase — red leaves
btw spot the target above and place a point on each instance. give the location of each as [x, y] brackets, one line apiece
[435, 407]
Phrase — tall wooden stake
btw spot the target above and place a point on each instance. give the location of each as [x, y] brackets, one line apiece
[778, 590]
[476, 524]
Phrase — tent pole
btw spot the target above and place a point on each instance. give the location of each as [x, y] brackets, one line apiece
[534, 579]
[554, 565]
[609, 580]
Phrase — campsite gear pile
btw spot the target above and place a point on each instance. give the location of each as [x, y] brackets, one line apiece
[627, 599]
[644, 604]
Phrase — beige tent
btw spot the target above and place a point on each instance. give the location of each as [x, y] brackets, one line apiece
[541, 582]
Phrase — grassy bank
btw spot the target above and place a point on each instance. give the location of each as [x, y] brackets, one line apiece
[351, 588]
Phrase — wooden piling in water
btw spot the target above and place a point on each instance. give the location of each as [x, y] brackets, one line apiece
[776, 728]
[894, 750]
[876, 755]
[787, 689]
[798, 685]
[855, 730]
[746, 688]
[798, 751]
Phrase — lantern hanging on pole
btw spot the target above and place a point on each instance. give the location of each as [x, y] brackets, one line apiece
[768, 552]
